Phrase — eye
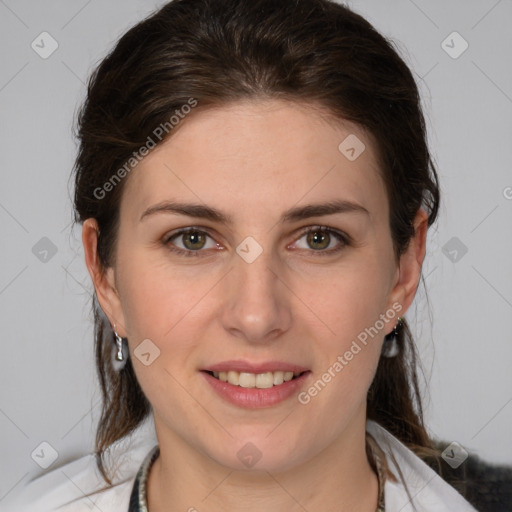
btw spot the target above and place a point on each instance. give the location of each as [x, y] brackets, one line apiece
[192, 241]
[322, 240]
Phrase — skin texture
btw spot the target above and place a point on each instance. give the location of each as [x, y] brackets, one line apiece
[253, 160]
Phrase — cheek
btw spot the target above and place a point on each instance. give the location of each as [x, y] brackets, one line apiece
[172, 308]
[155, 296]
[349, 303]
[347, 299]
[146, 303]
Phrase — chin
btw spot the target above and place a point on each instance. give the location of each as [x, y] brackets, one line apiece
[253, 453]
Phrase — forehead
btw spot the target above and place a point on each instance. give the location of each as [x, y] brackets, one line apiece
[269, 154]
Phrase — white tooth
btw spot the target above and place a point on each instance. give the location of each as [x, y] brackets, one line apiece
[260, 380]
[233, 377]
[278, 378]
[247, 380]
[264, 380]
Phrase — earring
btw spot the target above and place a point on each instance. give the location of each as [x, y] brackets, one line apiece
[118, 352]
[390, 346]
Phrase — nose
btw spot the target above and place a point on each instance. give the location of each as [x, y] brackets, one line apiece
[257, 303]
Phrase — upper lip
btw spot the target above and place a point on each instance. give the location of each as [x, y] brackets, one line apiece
[246, 366]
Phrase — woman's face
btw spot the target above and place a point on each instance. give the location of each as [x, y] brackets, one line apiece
[247, 286]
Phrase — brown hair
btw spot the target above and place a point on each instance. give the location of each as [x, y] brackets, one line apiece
[221, 51]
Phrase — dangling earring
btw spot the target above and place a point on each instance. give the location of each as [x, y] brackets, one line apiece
[118, 353]
[390, 346]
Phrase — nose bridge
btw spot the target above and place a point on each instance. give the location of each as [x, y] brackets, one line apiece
[255, 280]
[252, 262]
[256, 306]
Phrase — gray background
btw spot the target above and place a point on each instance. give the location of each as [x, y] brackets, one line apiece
[49, 391]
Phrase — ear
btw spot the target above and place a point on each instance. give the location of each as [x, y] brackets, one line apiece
[103, 279]
[409, 270]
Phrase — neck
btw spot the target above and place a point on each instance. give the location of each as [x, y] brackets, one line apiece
[338, 478]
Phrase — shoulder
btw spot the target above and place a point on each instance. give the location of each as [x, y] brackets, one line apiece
[78, 486]
[418, 486]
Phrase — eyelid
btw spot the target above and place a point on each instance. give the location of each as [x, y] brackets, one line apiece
[187, 229]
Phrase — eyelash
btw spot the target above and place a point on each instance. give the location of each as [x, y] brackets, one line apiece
[342, 237]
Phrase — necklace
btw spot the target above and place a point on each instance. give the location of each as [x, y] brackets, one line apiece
[138, 497]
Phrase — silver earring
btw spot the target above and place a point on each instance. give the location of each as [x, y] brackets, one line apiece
[390, 346]
[118, 352]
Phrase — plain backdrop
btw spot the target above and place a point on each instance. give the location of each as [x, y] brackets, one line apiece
[49, 391]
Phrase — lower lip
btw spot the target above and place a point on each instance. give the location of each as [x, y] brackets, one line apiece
[254, 398]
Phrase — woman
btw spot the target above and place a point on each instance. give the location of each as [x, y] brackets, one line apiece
[255, 190]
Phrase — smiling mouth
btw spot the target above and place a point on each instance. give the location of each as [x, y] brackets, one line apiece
[251, 380]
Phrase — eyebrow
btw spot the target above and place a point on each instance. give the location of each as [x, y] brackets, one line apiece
[292, 215]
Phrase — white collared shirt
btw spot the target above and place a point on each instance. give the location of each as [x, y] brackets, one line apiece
[425, 488]
[63, 489]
